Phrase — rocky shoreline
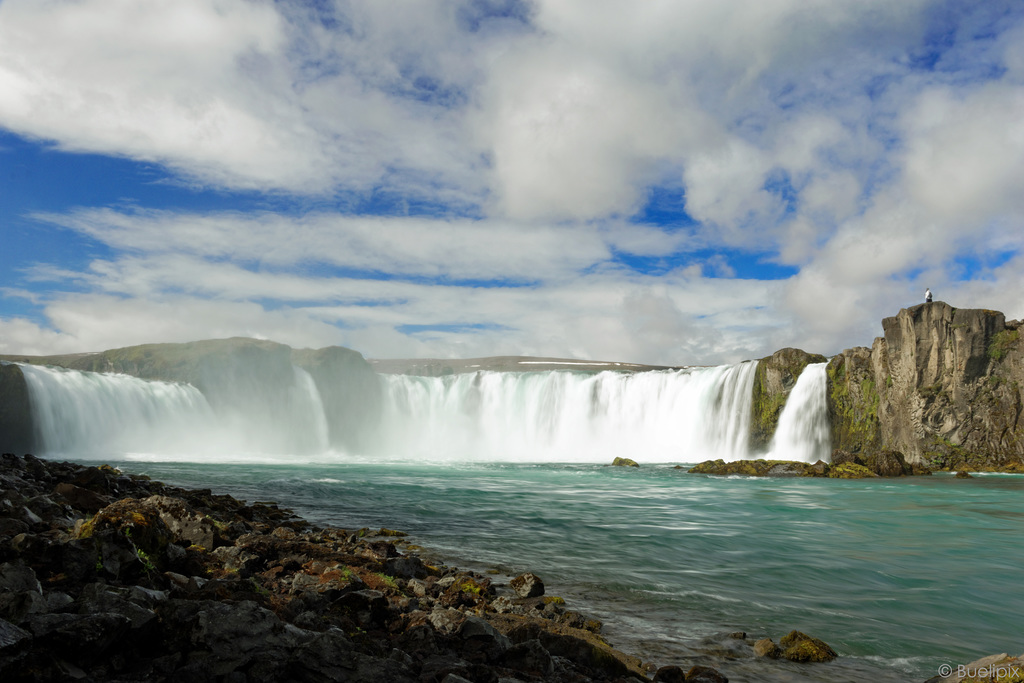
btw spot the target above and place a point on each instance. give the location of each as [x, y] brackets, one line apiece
[112, 577]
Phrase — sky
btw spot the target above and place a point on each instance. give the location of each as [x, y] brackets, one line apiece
[665, 181]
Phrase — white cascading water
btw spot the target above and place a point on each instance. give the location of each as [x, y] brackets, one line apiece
[87, 412]
[685, 415]
[106, 413]
[658, 416]
[803, 431]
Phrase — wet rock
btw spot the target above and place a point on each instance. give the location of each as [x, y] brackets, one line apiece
[527, 586]
[757, 468]
[585, 649]
[624, 462]
[962, 474]
[10, 527]
[766, 647]
[800, 647]
[118, 556]
[576, 620]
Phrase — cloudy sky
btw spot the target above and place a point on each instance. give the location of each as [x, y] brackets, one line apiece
[660, 181]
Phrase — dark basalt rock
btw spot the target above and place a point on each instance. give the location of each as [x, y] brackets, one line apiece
[166, 584]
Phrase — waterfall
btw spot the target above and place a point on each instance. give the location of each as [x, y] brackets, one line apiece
[803, 430]
[682, 415]
[89, 412]
[107, 414]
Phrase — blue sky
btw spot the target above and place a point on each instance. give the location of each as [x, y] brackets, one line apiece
[664, 182]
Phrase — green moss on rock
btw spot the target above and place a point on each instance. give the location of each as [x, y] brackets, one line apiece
[850, 470]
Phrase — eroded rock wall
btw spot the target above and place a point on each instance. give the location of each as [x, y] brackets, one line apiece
[943, 387]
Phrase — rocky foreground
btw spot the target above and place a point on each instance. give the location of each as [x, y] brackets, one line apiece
[113, 577]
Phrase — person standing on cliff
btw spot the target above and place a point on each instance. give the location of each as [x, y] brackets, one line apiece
[928, 295]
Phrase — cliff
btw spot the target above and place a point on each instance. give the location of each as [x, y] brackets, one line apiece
[943, 386]
[16, 432]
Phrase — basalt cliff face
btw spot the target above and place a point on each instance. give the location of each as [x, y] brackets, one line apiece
[943, 386]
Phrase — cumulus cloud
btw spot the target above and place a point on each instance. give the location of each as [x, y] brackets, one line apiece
[862, 146]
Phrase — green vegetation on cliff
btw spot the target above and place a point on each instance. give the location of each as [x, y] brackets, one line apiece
[853, 401]
[1001, 344]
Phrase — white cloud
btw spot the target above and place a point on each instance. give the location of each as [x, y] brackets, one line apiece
[965, 152]
[814, 134]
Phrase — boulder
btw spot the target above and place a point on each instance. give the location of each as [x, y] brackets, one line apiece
[527, 586]
[624, 462]
[766, 647]
[800, 647]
